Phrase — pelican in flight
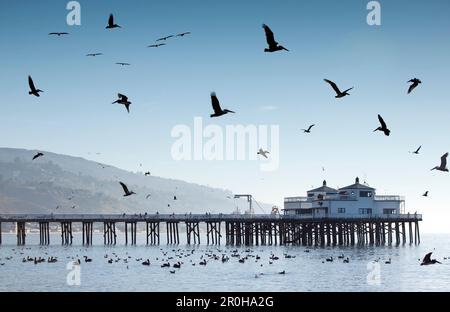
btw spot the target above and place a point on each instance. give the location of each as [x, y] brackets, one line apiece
[184, 34]
[111, 23]
[94, 54]
[263, 153]
[417, 150]
[156, 45]
[123, 64]
[33, 90]
[443, 165]
[339, 94]
[125, 190]
[124, 101]
[308, 130]
[414, 83]
[164, 38]
[270, 38]
[383, 126]
[38, 155]
[427, 260]
[218, 111]
[58, 33]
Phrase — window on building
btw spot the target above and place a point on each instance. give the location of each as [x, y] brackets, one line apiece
[341, 210]
[365, 211]
[389, 211]
[365, 194]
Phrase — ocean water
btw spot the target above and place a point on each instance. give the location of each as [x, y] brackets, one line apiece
[305, 268]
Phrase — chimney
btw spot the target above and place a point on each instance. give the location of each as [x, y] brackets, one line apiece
[324, 182]
[357, 180]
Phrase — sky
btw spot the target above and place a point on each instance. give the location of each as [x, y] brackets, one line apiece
[171, 85]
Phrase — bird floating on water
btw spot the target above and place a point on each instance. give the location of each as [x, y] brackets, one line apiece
[270, 38]
[111, 23]
[263, 153]
[218, 111]
[443, 165]
[339, 93]
[33, 90]
[383, 128]
[308, 130]
[415, 82]
[123, 99]
[126, 191]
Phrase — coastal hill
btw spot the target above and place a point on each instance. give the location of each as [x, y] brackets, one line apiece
[65, 184]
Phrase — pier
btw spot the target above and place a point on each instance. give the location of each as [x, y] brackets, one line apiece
[230, 229]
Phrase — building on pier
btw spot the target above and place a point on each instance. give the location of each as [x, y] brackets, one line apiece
[350, 201]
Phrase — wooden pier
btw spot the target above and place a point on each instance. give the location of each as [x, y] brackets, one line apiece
[240, 230]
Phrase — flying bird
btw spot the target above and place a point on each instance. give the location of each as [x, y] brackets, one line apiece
[184, 34]
[33, 90]
[147, 173]
[308, 130]
[270, 38]
[124, 101]
[164, 38]
[38, 155]
[94, 54]
[148, 196]
[417, 150]
[111, 23]
[126, 191]
[427, 260]
[263, 153]
[425, 194]
[443, 165]
[123, 64]
[58, 33]
[383, 127]
[218, 111]
[156, 45]
[339, 94]
[414, 83]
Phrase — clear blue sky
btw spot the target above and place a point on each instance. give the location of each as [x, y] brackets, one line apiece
[171, 85]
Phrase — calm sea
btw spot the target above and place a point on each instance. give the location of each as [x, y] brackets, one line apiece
[305, 268]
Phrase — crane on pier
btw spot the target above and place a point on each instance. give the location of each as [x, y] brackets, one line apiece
[250, 200]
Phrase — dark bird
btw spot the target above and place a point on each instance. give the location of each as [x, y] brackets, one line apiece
[308, 130]
[443, 165]
[147, 173]
[417, 150]
[126, 191]
[339, 94]
[388, 261]
[94, 54]
[174, 198]
[123, 100]
[86, 259]
[123, 64]
[33, 90]
[218, 111]
[425, 194]
[58, 33]
[147, 262]
[156, 45]
[414, 83]
[263, 153]
[111, 23]
[270, 38]
[38, 155]
[184, 34]
[164, 38]
[427, 260]
[148, 196]
[383, 127]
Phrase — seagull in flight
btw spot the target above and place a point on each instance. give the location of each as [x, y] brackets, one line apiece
[38, 155]
[184, 34]
[58, 33]
[427, 260]
[263, 153]
[414, 83]
[123, 64]
[339, 94]
[164, 38]
[443, 165]
[111, 23]
[123, 100]
[417, 150]
[308, 130]
[218, 111]
[33, 90]
[156, 45]
[94, 54]
[125, 190]
[383, 126]
[425, 194]
[270, 38]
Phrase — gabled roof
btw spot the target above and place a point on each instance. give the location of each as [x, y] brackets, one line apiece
[323, 189]
[357, 186]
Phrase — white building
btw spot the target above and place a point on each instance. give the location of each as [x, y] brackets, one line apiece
[350, 201]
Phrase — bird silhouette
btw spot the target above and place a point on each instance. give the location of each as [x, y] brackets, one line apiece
[184, 34]
[425, 194]
[94, 54]
[126, 191]
[38, 155]
[123, 100]
[383, 127]
[111, 23]
[308, 130]
[414, 83]
[58, 33]
[147, 173]
[270, 38]
[417, 150]
[263, 153]
[443, 165]
[339, 94]
[33, 90]
[164, 38]
[123, 64]
[156, 45]
[427, 260]
[148, 196]
[218, 111]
